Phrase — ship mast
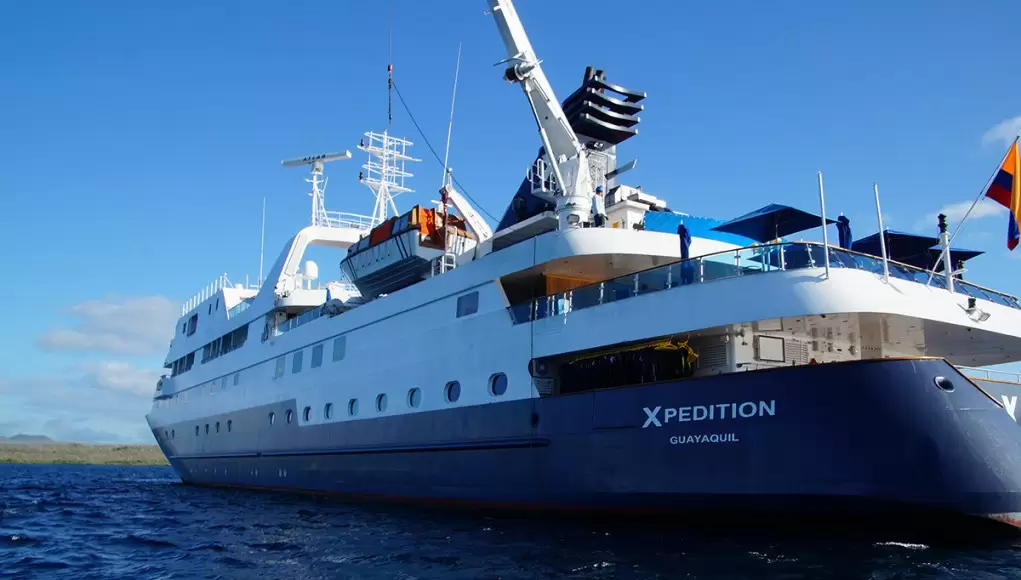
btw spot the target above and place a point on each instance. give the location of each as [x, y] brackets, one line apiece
[384, 171]
[570, 185]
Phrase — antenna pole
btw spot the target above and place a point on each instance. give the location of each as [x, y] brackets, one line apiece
[390, 67]
[882, 235]
[825, 236]
[262, 240]
[450, 125]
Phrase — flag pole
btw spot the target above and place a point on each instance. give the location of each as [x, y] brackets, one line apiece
[981, 194]
[825, 236]
[882, 235]
[262, 240]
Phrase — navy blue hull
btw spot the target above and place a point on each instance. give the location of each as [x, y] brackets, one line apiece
[879, 433]
[1006, 392]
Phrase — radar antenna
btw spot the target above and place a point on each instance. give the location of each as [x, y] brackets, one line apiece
[319, 215]
[384, 171]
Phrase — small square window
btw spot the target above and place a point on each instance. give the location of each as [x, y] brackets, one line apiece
[467, 304]
[339, 347]
[237, 378]
[317, 355]
[296, 365]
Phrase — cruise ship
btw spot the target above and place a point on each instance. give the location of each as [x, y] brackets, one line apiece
[598, 350]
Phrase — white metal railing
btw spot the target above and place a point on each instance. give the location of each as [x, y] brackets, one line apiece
[240, 307]
[341, 219]
[210, 289]
[748, 261]
[988, 374]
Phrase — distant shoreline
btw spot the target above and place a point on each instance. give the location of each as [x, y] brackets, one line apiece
[80, 454]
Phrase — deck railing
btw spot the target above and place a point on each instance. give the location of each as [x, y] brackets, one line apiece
[340, 219]
[240, 307]
[748, 261]
[991, 374]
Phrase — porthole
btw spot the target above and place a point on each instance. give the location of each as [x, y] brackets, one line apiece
[944, 383]
[217, 426]
[173, 433]
[207, 428]
[230, 424]
[414, 397]
[196, 430]
[498, 384]
[272, 417]
[381, 402]
[290, 416]
[328, 411]
[352, 407]
[307, 414]
[452, 392]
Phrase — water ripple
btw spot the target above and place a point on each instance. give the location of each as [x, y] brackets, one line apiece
[129, 522]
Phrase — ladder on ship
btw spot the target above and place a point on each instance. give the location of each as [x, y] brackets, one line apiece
[448, 261]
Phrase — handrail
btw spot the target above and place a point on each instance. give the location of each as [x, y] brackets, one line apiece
[1015, 377]
[341, 219]
[693, 271]
[212, 288]
[240, 307]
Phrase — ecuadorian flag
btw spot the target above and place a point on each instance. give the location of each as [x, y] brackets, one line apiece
[1006, 191]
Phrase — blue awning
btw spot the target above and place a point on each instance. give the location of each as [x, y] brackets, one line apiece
[900, 246]
[771, 222]
[928, 259]
[911, 249]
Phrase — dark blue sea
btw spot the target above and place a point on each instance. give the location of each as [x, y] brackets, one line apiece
[141, 522]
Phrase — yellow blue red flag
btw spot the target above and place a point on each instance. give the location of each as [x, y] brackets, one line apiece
[1006, 191]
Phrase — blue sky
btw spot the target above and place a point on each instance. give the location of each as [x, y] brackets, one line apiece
[138, 141]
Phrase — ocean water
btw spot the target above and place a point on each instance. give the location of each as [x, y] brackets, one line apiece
[141, 522]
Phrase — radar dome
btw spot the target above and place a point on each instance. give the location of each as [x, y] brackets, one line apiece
[311, 270]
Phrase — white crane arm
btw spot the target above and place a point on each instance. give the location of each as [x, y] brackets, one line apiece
[563, 149]
[475, 221]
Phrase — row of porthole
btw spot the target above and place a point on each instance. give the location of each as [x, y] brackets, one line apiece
[452, 392]
[230, 427]
[172, 434]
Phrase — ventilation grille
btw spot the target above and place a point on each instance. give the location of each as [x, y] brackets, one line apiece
[713, 356]
[796, 351]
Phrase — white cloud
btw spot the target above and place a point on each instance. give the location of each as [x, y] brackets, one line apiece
[122, 377]
[1004, 132]
[955, 212]
[120, 325]
[101, 402]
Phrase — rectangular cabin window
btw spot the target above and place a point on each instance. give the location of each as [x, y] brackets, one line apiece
[240, 336]
[189, 361]
[296, 367]
[339, 347]
[281, 366]
[317, 356]
[237, 378]
[223, 384]
[193, 324]
[467, 304]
